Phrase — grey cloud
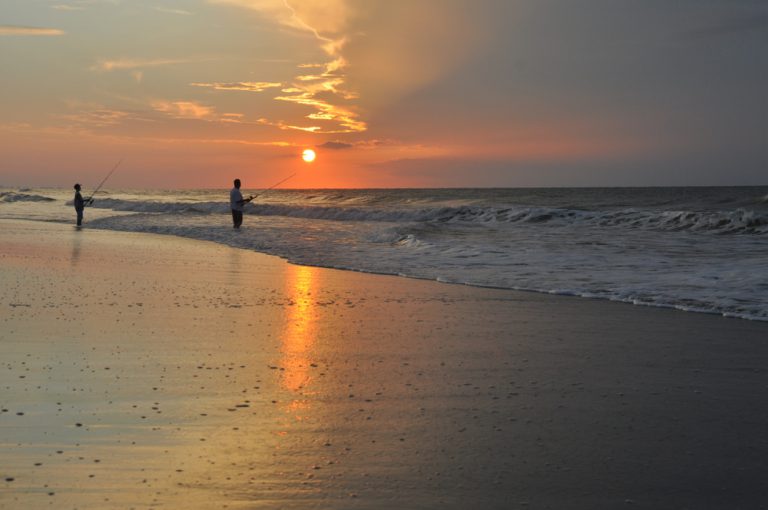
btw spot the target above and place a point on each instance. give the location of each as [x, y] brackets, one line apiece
[335, 145]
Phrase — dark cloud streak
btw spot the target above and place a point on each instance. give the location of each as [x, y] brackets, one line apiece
[335, 145]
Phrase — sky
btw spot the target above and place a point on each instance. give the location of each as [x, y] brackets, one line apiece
[389, 93]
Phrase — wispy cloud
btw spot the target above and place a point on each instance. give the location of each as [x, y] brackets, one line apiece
[321, 93]
[173, 11]
[29, 31]
[192, 110]
[288, 127]
[95, 116]
[325, 91]
[365, 144]
[82, 131]
[67, 7]
[134, 63]
[184, 109]
[98, 117]
[234, 118]
[226, 141]
[312, 96]
[248, 86]
[81, 5]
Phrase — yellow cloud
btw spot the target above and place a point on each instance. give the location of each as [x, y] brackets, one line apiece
[134, 63]
[321, 116]
[184, 109]
[346, 119]
[98, 117]
[328, 21]
[34, 31]
[286, 127]
[379, 50]
[66, 7]
[234, 118]
[173, 11]
[248, 86]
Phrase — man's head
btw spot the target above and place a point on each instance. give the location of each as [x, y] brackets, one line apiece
[77, 187]
[237, 183]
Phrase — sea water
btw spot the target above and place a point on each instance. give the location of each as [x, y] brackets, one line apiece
[694, 249]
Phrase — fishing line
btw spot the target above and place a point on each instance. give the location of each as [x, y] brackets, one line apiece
[90, 199]
[273, 186]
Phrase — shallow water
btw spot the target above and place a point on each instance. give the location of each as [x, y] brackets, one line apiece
[695, 249]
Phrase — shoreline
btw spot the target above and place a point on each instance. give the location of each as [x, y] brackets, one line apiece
[173, 372]
[440, 280]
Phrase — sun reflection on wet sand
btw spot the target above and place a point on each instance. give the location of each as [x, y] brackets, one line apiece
[299, 334]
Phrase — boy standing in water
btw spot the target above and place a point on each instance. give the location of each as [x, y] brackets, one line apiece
[79, 205]
[236, 203]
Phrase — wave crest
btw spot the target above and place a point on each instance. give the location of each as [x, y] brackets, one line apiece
[737, 221]
[13, 196]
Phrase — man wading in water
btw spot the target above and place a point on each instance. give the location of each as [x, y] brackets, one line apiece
[80, 204]
[236, 203]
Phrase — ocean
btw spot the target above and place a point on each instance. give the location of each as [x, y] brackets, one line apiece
[698, 249]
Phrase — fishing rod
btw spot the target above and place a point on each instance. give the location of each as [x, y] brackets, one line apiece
[273, 186]
[90, 199]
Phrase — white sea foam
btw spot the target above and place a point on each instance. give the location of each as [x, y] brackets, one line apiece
[720, 222]
[13, 196]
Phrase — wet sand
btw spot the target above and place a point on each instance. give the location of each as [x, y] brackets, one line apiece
[143, 371]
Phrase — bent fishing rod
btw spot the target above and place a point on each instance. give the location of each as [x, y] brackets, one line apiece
[273, 186]
[90, 199]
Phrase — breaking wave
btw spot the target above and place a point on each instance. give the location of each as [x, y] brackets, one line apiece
[694, 249]
[13, 196]
[736, 221]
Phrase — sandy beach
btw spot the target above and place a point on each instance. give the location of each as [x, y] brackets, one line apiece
[145, 371]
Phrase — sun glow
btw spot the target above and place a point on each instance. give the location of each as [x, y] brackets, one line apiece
[308, 155]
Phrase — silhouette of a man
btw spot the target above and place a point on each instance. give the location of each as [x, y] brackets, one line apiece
[236, 203]
[79, 205]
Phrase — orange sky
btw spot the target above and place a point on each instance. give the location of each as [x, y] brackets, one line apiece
[424, 93]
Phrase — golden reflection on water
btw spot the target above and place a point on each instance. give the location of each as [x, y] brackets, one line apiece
[299, 334]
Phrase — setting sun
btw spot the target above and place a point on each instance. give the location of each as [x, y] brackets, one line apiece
[308, 155]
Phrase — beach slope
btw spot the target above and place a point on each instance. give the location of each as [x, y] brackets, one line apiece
[151, 371]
